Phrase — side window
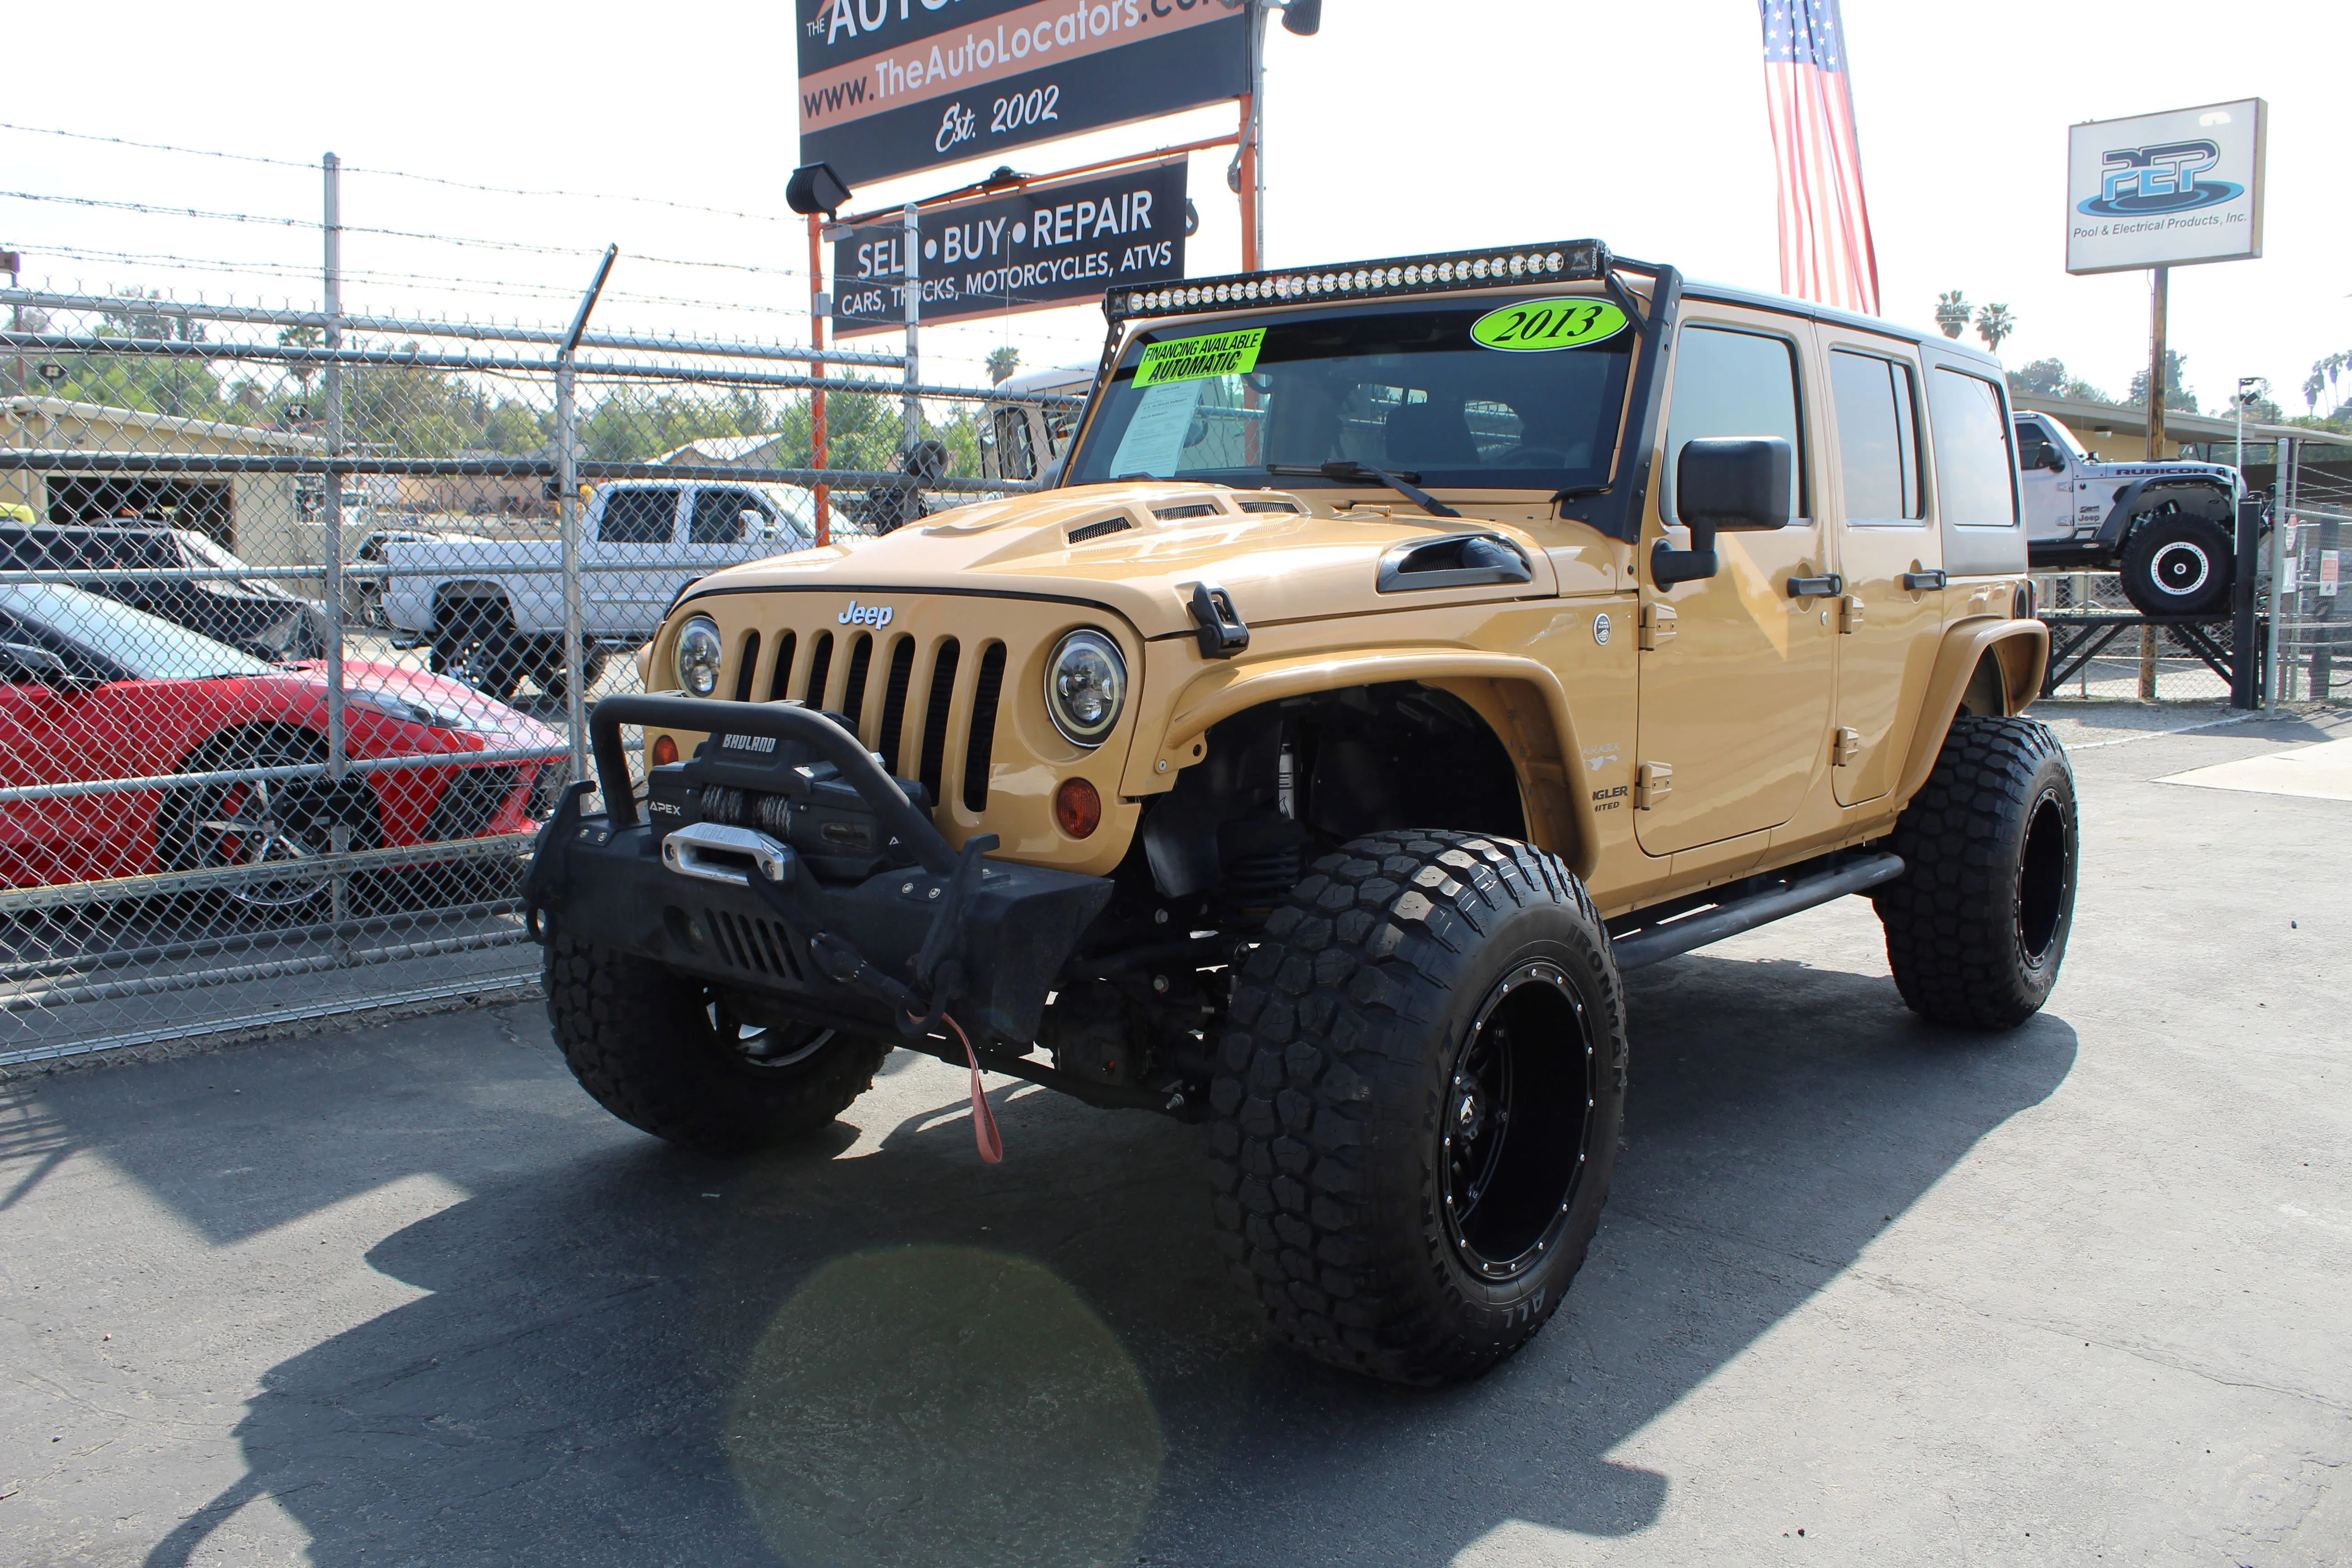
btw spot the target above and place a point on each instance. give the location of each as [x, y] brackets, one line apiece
[1735, 383]
[1016, 457]
[718, 516]
[1976, 474]
[638, 517]
[1878, 440]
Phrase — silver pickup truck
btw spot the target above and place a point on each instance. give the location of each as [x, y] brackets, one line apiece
[492, 609]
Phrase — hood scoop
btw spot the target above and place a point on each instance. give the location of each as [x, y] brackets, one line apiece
[1099, 529]
[1452, 561]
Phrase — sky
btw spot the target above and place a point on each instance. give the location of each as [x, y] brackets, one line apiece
[1405, 126]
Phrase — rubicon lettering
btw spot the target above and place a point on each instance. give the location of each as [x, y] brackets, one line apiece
[859, 614]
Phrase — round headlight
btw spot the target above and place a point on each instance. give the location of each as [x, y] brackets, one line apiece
[699, 653]
[1085, 687]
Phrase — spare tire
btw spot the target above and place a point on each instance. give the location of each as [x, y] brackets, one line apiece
[2179, 564]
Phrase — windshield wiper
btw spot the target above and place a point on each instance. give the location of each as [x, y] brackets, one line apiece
[1349, 468]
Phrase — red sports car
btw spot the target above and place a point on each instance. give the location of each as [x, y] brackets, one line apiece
[92, 690]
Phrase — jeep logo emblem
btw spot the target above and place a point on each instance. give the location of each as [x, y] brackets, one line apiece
[859, 614]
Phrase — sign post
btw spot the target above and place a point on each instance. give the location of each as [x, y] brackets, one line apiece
[2159, 190]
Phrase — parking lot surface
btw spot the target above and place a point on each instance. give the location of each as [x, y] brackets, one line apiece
[1866, 1293]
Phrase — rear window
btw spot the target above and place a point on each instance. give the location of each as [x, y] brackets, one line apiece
[1976, 470]
[638, 517]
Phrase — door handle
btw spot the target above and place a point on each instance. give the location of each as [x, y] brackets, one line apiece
[1816, 588]
[1920, 582]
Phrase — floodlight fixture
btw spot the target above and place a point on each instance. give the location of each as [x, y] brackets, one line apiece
[816, 188]
[1304, 17]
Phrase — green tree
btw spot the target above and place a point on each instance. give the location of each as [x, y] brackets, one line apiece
[1952, 313]
[2177, 397]
[1001, 363]
[1993, 323]
[2051, 378]
[2324, 374]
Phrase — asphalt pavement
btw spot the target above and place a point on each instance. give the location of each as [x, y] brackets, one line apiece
[1867, 1292]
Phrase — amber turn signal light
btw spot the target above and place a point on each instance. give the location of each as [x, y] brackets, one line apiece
[665, 750]
[1077, 807]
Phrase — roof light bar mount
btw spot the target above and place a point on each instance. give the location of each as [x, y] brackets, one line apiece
[1568, 261]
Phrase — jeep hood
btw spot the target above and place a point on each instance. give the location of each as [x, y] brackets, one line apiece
[1139, 549]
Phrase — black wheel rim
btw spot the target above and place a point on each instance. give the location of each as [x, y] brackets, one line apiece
[1517, 1122]
[2181, 568]
[2044, 870]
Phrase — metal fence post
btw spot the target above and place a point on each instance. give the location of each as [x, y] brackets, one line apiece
[331, 545]
[2282, 525]
[567, 482]
[2245, 641]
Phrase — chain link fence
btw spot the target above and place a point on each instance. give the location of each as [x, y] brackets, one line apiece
[301, 613]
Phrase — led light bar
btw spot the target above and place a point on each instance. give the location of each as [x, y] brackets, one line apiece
[1568, 261]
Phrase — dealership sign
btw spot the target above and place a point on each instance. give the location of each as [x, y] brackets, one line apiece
[2166, 190]
[891, 87]
[1045, 245]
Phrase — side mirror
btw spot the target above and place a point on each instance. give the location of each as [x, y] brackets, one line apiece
[755, 522]
[2053, 459]
[1738, 483]
[24, 664]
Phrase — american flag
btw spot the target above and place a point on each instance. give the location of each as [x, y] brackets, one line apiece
[1825, 249]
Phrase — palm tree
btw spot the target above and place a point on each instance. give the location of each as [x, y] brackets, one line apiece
[1993, 323]
[1001, 363]
[302, 338]
[1952, 313]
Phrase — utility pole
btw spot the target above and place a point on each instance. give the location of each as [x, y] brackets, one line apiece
[818, 312]
[914, 243]
[2156, 363]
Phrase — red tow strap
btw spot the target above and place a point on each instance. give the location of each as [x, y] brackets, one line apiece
[984, 1120]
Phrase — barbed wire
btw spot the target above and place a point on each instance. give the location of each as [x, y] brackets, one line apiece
[400, 174]
[389, 279]
[265, 220]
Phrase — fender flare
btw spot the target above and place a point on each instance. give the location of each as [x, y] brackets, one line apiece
[1520, 700]
[469, 590]
[2020, 652]
[2127, 503]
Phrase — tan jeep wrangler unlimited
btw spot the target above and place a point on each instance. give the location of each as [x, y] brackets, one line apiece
[1409, 650]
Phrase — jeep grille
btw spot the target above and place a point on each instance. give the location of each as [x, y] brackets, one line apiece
[904, 690]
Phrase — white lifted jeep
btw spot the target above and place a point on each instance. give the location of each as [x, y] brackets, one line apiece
[2166, 527]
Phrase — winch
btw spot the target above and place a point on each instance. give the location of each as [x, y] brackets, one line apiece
[787, 790]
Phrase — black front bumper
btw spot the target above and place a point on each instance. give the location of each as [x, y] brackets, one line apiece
[947, 933]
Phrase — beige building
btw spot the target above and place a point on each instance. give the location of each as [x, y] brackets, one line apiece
[257, 516]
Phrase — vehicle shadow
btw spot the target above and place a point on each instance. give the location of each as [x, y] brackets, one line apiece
[637, 1356]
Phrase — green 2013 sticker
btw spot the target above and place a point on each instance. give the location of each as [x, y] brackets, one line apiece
[1197, 359]
[1539, 326]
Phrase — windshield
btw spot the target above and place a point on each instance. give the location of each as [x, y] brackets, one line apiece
[1405, 387]
[147, 647]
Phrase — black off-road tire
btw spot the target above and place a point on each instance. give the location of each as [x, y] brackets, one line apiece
[1976, 924]
[1336, 1088]
[642, 1041]
[2179, 564]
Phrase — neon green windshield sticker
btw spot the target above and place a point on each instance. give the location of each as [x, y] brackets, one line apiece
[1197, 359]
[1539, 326]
